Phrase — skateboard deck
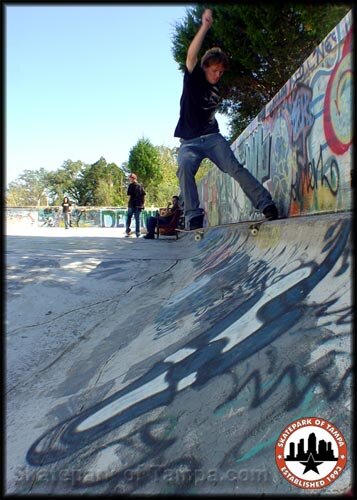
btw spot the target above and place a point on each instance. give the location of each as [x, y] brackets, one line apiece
[254, 227]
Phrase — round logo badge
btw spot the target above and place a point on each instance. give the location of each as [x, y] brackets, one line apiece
[311, 453]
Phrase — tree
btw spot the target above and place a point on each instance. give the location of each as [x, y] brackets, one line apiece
[29, 190]
[105, 182]
[67, 181]
[99, 184]
[144, 160]
[161, 193]
[266, 44]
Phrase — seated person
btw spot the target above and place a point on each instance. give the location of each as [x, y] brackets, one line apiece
[163, 219]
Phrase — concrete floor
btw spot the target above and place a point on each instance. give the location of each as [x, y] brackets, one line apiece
[172, 366]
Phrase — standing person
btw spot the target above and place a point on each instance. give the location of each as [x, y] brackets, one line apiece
[136, 202]
[66, 212]
[199, 134]
[164, 219]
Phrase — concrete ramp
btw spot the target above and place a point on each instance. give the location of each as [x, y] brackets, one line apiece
[172, 367]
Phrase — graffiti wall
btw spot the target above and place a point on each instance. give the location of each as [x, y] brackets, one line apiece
[300, 144]
[80, 217]
[28, 216]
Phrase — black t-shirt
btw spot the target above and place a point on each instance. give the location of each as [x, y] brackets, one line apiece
[137, 195]
[66, 206]
[198, 105]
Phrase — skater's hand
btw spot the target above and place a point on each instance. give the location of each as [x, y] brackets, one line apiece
[195, 45]
[207, 19]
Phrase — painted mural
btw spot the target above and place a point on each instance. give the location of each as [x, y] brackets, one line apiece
[27, 216]
[300, 144]
[80, 217]
[262, 329]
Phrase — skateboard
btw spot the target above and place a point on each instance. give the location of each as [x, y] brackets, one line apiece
[254, 227]
[198, 232]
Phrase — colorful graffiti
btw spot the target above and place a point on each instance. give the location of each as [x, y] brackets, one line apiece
[300, 144]
[268, 337]
[28, 216]
[80, 217]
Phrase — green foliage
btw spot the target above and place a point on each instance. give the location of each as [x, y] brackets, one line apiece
[266, 43]
[160, 194]
[205, 167]
[100, 184]
[144, 160]
[66, 181]
[104, 184]
[29, 190]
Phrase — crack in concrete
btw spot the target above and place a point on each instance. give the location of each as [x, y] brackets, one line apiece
[70, 347]
[110, 299]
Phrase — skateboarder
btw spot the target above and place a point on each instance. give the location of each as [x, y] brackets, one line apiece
[199, 134]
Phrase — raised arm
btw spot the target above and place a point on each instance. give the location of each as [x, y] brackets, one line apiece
[195, 45]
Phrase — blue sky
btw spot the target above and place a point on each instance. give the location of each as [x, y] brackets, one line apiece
[85, 81]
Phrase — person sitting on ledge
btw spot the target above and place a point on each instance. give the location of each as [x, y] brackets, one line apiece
[164, 219]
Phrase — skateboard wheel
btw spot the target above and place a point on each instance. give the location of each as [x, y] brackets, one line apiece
[198, 237]
[254, 231]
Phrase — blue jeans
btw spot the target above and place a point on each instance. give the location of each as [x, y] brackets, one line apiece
[67, 219]
[136, 213]
[151, 224]
[217, 149]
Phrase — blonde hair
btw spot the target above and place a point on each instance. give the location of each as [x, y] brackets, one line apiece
[215, 55]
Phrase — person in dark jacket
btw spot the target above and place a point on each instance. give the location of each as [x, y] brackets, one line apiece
[136, 203]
